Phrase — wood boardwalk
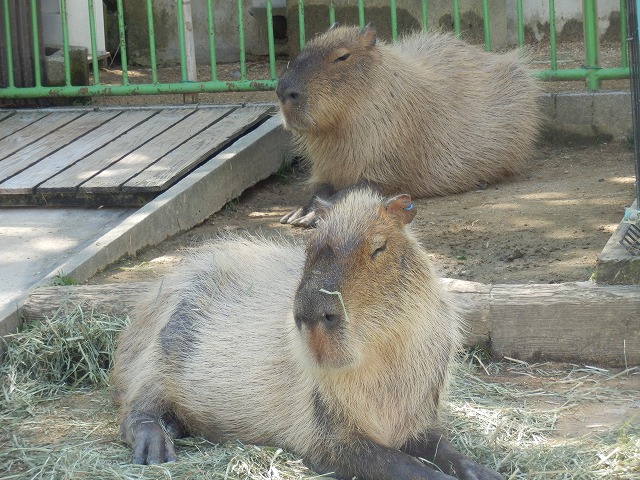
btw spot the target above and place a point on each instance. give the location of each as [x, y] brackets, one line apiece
[111, 157]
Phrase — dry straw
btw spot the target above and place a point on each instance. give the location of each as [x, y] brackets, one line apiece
[57, 421]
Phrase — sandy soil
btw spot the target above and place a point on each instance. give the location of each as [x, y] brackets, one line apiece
[547, 225]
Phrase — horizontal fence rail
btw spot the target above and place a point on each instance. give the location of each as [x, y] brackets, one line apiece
[20, 16]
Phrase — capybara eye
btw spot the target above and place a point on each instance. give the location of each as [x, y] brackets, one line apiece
[342, 58]
[379, 250]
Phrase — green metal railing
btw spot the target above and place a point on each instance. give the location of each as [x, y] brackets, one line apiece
[591, 72]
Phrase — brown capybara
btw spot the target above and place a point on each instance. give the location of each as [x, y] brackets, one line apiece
[338, 352]
[429, 115]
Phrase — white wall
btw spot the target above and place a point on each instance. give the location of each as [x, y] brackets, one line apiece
[537, 11]
[77, 21]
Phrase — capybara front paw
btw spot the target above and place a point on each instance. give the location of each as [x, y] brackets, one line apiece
[151, 444]
[467, 469]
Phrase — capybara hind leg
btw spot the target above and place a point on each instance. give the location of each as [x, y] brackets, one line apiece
[150, 441]
[437, 449]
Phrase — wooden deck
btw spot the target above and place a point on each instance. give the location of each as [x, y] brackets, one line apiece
[111, 157]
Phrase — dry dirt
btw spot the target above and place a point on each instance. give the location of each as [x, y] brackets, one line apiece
[547, 225]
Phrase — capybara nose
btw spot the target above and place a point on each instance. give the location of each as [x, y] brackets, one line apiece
[287, 94]
[328, 317]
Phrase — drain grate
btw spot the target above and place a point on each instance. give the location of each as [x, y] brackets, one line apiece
[631, 239]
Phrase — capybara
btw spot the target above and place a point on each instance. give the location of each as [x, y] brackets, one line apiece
[338, 352]
[429, 115]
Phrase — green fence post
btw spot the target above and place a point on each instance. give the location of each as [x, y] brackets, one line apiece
[301, 23]
[394, 20]
[36, 43]
[591, 43]
[487, 25]
[456, 18]
[423, 12]
[624, 62]
[332, 13]
[270, 40]
[65, 42]
[212, 41]
[7, 37]
[552, 35]
[94, 48]
[361, 13]
[123, 43]
[152, 42]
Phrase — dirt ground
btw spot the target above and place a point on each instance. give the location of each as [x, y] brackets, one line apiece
[547, 225]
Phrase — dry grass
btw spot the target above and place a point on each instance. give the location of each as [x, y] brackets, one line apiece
[57, 421]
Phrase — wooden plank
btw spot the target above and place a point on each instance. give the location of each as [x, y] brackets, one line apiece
[68, 180]
[55, 140]
[36, 131]
[581, 321]
[109, 299]
[20, 120]
[187, 156]
[5, 114]
[27, 180]
[112, 178]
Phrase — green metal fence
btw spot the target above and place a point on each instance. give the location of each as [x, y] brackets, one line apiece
[590, 71]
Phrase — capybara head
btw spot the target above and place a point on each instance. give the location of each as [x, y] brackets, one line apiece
[357, 266]
[313, 89]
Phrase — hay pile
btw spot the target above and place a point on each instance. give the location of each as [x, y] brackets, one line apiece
[57, 421]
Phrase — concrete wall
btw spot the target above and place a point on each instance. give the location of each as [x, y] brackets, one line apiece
[226, 30]
[568, 14]
[503, 23]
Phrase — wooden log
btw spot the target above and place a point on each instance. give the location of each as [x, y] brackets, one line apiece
[581, 322]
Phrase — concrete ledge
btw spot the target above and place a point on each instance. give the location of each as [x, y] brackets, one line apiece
[603, 114]
[615, 265]
[581, 322]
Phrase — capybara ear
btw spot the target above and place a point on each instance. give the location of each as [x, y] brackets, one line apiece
[401, 208]
[368, 36]
[333, 26]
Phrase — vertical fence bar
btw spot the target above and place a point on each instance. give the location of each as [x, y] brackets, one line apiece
[212, 41]
[270, 40]
[456, 18]
[361, 13]
[123, 43]
[394, 20]
[152, 42]
[301, 23]
[520, 23]
[624, 62]
[243, 62]
[487, 25]
[332, 13]
[94, 48]
[590, 20]
[181, 45]
[552, 35]
[7, 37]
[36, 43]
[65, 42]
[423, 12]
[190, 50]
[633, 19]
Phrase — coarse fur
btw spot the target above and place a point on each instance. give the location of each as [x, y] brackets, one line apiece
[429, 115]
[249, 341]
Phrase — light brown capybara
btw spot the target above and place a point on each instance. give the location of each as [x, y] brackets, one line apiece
[339, 351]
[430, 115]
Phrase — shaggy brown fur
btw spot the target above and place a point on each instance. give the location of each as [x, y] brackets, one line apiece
[430, 115]
[339, 352]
